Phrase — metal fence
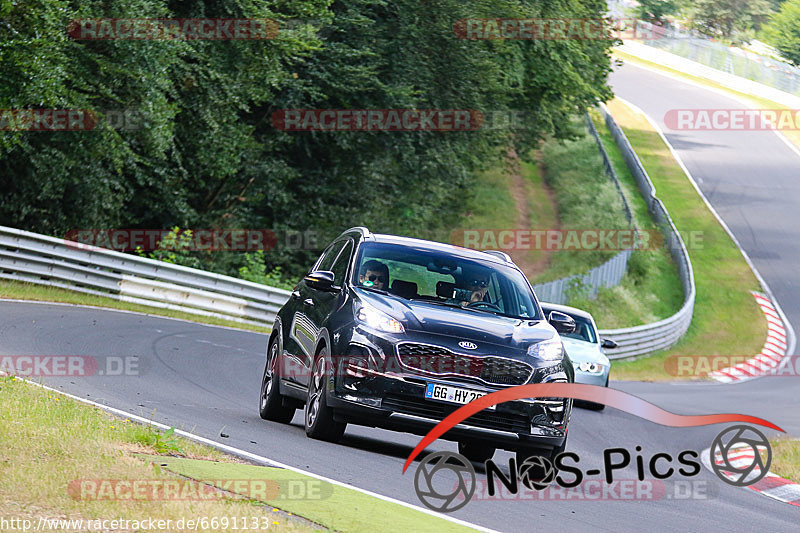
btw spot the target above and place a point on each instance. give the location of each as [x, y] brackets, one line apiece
[607, 275]
[771, 72]
[44, 260]
[648, 338]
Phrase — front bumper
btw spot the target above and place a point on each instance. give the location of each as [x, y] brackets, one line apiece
[395, 399]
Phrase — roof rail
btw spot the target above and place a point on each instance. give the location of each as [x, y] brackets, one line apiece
[502, 255]
[361, 230]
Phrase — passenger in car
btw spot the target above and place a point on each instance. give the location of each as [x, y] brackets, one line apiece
[374, 274]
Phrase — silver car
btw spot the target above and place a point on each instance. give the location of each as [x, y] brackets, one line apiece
[585, 349]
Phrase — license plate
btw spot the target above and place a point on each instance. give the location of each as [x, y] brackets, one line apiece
[446, 393]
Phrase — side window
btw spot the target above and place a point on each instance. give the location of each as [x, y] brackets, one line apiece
[339, 267]
[328, 256]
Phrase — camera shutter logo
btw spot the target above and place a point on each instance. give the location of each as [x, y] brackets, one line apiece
[536, 472]
[441, 463]
[740, 455]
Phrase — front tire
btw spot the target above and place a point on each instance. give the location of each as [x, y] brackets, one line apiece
[318, 417]
[592, 406]
[271, 406]
[549, 454]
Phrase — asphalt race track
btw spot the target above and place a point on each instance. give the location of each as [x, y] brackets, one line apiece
[206, 379]
[752, 178]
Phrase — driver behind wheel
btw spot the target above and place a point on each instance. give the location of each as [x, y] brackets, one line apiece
[472, 286]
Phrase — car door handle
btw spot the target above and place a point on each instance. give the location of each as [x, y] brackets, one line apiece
[309, 301]
[295, 294]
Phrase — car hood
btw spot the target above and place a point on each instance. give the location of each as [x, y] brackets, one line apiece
[464, 324]
[584, 352]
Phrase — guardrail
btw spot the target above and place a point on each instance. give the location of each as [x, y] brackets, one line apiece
[34, 258]
[648, 338]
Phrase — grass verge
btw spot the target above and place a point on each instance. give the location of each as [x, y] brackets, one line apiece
[58, 454]
[30, 291]
[786, 458]
[651, 290]
[727, 320]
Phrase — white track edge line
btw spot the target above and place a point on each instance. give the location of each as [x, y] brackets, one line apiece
[261, 459]
[762, 282]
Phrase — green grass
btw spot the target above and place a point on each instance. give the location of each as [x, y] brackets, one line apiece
[727, 320]
[651, 290]
[31, 291]
[336, 507]
[488, 207]
[786, 458]
[49, 441]
[586, 199]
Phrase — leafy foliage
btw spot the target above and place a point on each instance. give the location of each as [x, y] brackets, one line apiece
[783, 31]
[657, 11]
[205, 154]
[729, 19]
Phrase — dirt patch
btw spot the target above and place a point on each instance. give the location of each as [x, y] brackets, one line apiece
[531, 262]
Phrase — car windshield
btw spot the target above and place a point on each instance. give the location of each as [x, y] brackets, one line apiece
[418, 273]
[584, 330]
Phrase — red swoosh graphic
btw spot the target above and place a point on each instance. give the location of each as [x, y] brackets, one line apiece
[578, 391]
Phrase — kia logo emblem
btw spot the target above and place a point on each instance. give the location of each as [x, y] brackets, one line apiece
[468, 345]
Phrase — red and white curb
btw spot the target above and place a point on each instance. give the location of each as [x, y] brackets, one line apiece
[771, 485]
[771, 355]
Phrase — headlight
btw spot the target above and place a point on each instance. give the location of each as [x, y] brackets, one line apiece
[379, 320]
[550, 350]
[591, 368]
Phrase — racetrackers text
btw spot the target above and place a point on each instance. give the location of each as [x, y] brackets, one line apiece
[377, 120]
[243, 523]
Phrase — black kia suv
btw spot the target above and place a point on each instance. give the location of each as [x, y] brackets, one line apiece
[397, 333]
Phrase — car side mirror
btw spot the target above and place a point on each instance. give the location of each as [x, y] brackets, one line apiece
[562, 322]
[322, 280]
[608, 343]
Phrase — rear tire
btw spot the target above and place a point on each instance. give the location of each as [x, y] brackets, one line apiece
[318, 419]
[271, 406]
[475, 451]
[534, 452]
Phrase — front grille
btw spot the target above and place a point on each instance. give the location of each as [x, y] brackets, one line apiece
[411, 405]
[438, 360]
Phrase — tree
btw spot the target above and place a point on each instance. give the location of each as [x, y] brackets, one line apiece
[656, 11]
[207, 156]
[726, 18]
[783, 31]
